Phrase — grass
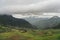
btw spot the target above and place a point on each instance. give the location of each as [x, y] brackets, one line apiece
[51, 34]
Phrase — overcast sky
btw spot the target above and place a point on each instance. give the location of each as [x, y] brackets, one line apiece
[24, 7]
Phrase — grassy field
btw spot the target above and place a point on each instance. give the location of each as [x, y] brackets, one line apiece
[51, 34]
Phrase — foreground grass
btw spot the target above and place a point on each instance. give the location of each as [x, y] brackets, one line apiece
[50, 34]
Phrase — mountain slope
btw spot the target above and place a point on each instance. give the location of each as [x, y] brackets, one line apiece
[8, 20]
[34, 19]
[47, 23]
[54, 22]
[38, 22]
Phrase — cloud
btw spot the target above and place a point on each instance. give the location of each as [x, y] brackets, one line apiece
[29, 6]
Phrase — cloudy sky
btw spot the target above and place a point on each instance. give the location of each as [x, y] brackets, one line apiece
[23, 8]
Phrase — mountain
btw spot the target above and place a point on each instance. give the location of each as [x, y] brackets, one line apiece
[53, 22]
[34, 19]
[44, 23]
[38, 22]
[49, 23]
[8, 20]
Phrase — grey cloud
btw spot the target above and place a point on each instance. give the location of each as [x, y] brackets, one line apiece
[29, 6]
[19, 2]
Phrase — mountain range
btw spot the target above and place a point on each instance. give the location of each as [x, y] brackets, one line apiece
[44, 23]
[31, 22]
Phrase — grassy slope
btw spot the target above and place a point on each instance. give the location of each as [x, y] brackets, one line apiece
[31, 35]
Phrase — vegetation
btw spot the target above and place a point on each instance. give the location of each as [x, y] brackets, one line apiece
[29, 34]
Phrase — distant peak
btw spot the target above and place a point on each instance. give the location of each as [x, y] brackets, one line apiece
[55, 17]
